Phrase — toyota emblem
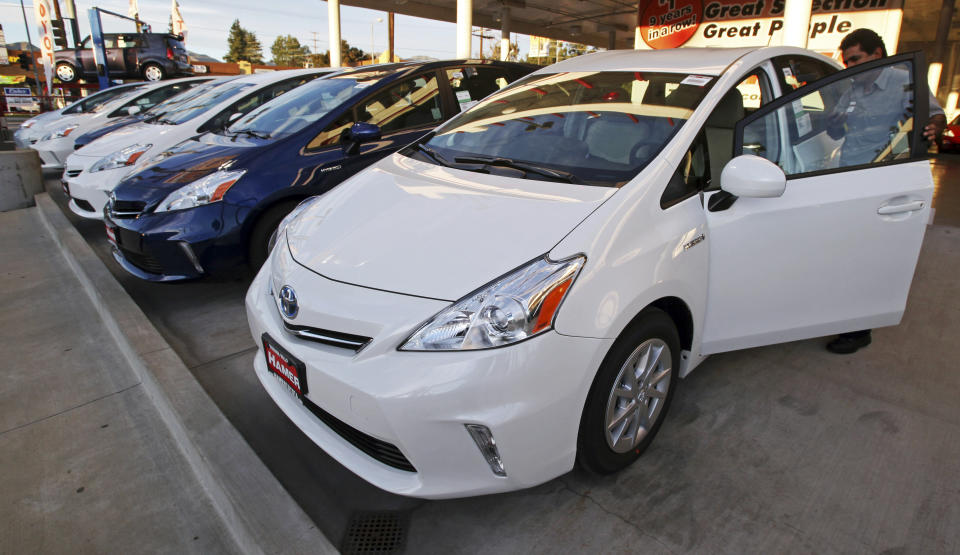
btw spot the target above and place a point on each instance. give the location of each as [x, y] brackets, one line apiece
[288, 302]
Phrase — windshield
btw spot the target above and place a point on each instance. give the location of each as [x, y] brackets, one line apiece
[181, 99]
[202, 102]
[96, 100]
[299, 108]
[594, 128]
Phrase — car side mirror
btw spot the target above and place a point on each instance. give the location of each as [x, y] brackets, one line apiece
[358, 134]
[754, 177]
[133, 110]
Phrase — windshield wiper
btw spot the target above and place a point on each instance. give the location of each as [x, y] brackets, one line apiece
[523, 166]
[437, 157]
[251, 133]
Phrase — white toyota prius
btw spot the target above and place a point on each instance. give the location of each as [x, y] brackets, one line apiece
[520, 290]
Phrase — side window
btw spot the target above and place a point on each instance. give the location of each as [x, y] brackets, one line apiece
[751, 93]
[331, 135]
[865, 119]
[470, 83]
[796, 71]
[109, 41]
[411, 103]
[129, 41]
[691, 175]
[249, 103]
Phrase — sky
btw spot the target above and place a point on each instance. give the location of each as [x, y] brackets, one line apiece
[208, 22]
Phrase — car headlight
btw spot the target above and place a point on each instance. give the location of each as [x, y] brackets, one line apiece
[60, 132]
[509, 309]
[202, 191]
[948, 133]
[288, 219]
[27, 124]
[121, 158]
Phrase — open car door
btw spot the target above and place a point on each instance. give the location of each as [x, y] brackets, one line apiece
[837, 251]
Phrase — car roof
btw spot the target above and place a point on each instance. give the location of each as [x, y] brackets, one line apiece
[705, 61]
[280, 74]
[398, 67]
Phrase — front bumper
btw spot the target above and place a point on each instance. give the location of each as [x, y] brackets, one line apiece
[54, 153]
[530, 395]
[176, 246]
[92, 190]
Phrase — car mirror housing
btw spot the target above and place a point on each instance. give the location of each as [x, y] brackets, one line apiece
[753, 176]
[358, 134]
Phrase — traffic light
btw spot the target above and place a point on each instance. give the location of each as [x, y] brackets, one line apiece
[59, 33]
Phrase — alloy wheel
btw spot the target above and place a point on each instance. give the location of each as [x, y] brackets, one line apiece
[638, 395]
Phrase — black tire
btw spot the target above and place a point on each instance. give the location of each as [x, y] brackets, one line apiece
[64, 70]
[652, 329]
[153, 72]
[260, 235]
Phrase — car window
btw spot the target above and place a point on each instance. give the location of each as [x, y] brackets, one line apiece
[413, 102]
[93, 101]
[203, 102]
[129, 41]
[249, 103]
[297, 109]
[796, 71]
[751, 93]
[470, 84]
[109, 41]
[154, 97]
[594, 128]
[692, 174]
[864, 119]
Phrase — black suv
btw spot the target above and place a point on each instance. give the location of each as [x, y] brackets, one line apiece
[150, 56]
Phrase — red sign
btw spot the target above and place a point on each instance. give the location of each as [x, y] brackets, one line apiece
[670, 23]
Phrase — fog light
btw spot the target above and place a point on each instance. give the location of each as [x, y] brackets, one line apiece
[484, 439]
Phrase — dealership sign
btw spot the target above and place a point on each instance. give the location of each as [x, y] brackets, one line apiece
[733, 23]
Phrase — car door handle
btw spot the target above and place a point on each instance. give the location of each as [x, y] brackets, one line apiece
[888, 209]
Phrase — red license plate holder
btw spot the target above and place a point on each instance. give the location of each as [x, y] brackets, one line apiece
[285, 367]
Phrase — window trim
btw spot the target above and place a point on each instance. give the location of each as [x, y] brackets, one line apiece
[921, 107]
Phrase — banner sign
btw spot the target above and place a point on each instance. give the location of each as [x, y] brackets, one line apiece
[739, 23]
[41, 9]
[539, 47]
[4, 57]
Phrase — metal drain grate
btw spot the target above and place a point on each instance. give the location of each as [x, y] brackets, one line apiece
[375, 533]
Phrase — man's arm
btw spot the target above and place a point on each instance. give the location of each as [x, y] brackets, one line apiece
[937, 122]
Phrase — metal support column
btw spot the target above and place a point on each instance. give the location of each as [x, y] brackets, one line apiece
[464, 28]
[796, 22]
[333, 16]
[611, 39]
[505, 34]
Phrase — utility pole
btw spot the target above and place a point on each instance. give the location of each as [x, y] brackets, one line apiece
[482, 36]
[315, 35]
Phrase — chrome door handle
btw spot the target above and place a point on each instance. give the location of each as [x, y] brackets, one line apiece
[888, 209]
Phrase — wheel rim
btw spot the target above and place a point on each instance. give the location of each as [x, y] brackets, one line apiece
[65, 73]
[638, 394]
[153, 73]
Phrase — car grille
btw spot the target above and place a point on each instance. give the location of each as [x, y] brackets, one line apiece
[387, 453]
[74, 173]
[84, 205]
[327, 337]
[145, 262]
[126, 208]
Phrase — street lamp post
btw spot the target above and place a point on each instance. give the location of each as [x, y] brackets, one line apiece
[372, 23]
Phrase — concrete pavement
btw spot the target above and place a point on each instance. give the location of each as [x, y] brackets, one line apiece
[107, 442]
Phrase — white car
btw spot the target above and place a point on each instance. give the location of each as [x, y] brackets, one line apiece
[520, 290]
[58, 143]
[33, 129]
[94, 170]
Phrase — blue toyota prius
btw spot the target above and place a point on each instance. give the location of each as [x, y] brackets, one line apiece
[209, 205]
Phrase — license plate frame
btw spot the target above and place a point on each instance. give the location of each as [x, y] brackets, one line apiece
[295, 379]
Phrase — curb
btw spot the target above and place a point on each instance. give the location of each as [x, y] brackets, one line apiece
[257, 512]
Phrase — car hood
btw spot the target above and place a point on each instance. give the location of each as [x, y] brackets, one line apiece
[187, 162]
[415, 228]
[130, 135]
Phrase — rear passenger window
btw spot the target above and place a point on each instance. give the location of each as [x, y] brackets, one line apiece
[470, 83]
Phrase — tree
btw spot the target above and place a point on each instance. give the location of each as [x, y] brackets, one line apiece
[512, 52]
[351, 56]
[566, 50]
[242, 45]
[287, 51]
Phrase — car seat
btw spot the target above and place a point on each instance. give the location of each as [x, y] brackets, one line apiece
[719, 131]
